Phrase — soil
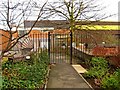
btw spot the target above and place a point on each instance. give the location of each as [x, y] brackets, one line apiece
[91, 82]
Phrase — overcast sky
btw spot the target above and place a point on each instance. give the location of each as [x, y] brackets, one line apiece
[111, 7]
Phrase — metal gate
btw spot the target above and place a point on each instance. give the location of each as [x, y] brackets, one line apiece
[60, 47]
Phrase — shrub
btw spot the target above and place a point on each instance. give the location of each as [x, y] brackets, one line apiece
[112, 81]
[99, 67]
[26, 74]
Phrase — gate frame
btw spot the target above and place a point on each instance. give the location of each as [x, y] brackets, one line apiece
[49, 39]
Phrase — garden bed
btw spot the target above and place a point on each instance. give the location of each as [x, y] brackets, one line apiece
[102, 75]
[28, 74]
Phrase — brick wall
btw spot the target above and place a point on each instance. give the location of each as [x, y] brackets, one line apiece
[104, 51]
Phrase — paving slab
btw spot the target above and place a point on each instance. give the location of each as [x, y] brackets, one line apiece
[64, 76]
[79, 68]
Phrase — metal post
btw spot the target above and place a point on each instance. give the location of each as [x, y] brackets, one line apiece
[49, 44]
[71, 47]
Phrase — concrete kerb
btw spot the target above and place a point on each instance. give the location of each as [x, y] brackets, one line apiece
[47, 77]
[84, 79]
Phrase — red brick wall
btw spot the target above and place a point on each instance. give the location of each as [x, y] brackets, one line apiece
[103, 51]
[112, 54]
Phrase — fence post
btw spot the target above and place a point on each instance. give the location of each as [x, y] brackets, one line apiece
[49, 44]
[71, 47]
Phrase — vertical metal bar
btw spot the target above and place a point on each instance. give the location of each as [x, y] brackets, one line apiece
[33, 42]
[53, 49]
[74, 43]
[43, 35]
[39, 41]
[36, 41]
[49, 45]
[66, 48]
[71, 47]
[82, 38]
[60, 49]
[62, 52]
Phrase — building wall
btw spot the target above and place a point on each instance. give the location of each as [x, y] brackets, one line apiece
[3, 39]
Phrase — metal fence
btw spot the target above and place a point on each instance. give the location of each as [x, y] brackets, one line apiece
[61, 47]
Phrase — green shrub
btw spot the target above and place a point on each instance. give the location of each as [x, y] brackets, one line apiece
[26, 74]
[112, 81]
[99, 67]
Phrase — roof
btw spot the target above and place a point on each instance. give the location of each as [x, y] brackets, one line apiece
[48, 23]
[64, 24]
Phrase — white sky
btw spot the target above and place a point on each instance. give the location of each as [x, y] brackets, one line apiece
[111, 7]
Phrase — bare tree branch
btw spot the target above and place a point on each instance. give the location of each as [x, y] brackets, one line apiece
[12, 17]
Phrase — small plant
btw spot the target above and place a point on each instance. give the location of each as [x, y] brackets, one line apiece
[112, 81]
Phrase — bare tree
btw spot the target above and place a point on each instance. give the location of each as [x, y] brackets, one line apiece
[13, 15]
[75, 11]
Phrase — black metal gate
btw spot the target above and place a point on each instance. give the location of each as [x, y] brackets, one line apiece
[60, 48]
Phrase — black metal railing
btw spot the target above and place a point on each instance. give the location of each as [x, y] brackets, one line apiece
[61, 47]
